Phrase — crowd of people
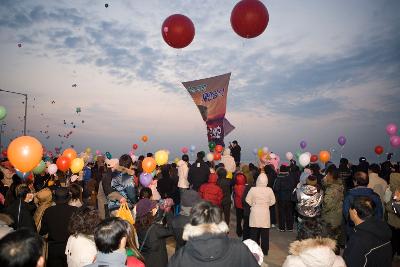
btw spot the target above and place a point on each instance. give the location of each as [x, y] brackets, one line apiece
[345, 215]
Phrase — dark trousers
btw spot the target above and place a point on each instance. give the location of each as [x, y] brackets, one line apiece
[272, 214]
[226, 209]
[56, 255]
[285, 214]
[246, 227]
[261, 235]
[395, 240]
[239, 219]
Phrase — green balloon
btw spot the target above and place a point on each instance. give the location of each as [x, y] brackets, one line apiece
[3, 112]
[39, 168]
[108, 155]
[211, 145]
[298, 153]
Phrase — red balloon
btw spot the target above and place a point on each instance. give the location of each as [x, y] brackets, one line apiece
[63, 163]
[314, 158]
[219, 148]
[178, 31]
[135, 146]
[217, 156]
[378, 150]
[249, 18]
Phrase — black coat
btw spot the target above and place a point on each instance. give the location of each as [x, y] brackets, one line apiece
[235, 152]
[226, 186]
[284, 186]
[369, 245]
[213, 250]
[178, 223]
[198, 174]
[25, 214]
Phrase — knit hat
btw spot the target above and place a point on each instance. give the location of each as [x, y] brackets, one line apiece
[312, 180]
[144, 206]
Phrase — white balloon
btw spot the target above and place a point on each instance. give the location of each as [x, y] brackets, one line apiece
[289, 155]
[265, 150]
[304, 159]
[210, 157]
[52, 169]
[308, 153]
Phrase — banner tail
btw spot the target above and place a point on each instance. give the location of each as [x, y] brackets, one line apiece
[228, 127]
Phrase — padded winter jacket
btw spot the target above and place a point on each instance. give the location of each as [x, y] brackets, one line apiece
[211, 191]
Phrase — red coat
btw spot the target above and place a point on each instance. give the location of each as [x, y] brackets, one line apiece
[238, 189]
[211, 191]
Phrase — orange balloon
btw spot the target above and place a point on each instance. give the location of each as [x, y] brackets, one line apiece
[25, 153]
[324, 156]
[145, 138]
[70, 153]
[149, 165]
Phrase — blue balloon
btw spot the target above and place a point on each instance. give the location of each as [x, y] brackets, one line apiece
[192, 148]
[22, 175]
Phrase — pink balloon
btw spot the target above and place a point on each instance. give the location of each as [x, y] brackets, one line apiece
[395, 141]
[184, 150]
[391, 129]
[98, 152]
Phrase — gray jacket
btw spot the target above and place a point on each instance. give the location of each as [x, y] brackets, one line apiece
[115, 259]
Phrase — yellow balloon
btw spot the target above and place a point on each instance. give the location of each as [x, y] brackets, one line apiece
[161, 157]
[88, 150]
[176, 160]
[77, 165]
[260, 152]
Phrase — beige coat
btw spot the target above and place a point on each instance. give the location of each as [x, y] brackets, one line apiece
[260, 198]
[393, 219]
[377, 184]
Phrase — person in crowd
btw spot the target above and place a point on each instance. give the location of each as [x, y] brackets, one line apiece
[123, 183]
[316, 172]
[55, 223]
[387, 168]
[40, 180]
[345, 175]
[226, 186]
[362, 180]
[11, 195]
[236, 152]
[199, 172]
[370, 244]
[246, 171]
[309, 201]
[238, 190]
[246, 207]
[5, 224]
[315, 251]
[166, 186]
[102, 176]
[110, 237]
[152, 233]
[332, 203]
[207, 243]
[22, 248]
[8, 173]
[272, 175]
[43, 200]
[22, 209]
[283, 187]
[211, 191]
[76, 195]
[363, 165]
[260, 198]
[188, 199]
[393, 214]
[228, 161]
[134, 257]
[81, 249]
[376, 183]
[183, 171]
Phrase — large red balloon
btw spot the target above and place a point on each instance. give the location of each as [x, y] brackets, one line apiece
[63, 163]
[249, 18]
[219, 148]
[378, 150]
[178, 31]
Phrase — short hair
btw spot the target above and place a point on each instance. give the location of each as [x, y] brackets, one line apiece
[361, 178]
[234, 142]
[145, 192]
[125, 161]
[364, 206]
[109, 233]
[221, 172]
[149, 155]
[75, 191]
[200, 155]
[374, 168]
[21, 248]
[333, 171]
[205, 213]
[84, 221]
[185, 157]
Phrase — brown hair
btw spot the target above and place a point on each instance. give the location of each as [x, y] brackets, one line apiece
[84, 221]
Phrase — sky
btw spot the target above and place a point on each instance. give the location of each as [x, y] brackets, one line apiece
[320, 70]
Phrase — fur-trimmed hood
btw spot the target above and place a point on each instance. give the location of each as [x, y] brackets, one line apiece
[124, 170]
[297, 247]
[198, 230]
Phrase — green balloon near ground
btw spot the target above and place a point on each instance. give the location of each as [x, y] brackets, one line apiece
[3, 112]
[39, 168]
[211, 145]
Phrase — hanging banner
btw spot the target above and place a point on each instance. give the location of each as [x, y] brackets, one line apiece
[210, 96]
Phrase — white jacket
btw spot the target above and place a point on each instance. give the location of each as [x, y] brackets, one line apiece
[228, 161]
[313, 253]
[183, 171]
[81, 250]
[377, 184]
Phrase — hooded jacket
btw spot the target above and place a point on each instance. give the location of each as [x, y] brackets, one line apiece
[123, 183]
[183, 171]
[228, 161]
[317, 252]
[369, 245]
[211, 191]
[209, 245]
[238, 189]
[309, 201]
[284, 186]
[260, 198]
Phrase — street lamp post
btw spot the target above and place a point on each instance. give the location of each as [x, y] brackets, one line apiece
[26, 105]
[1, 131]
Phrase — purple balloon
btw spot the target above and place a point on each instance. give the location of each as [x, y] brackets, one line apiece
[391, 129]
[395, 141]
[303, 144]
[342, 140]
[145, 179]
